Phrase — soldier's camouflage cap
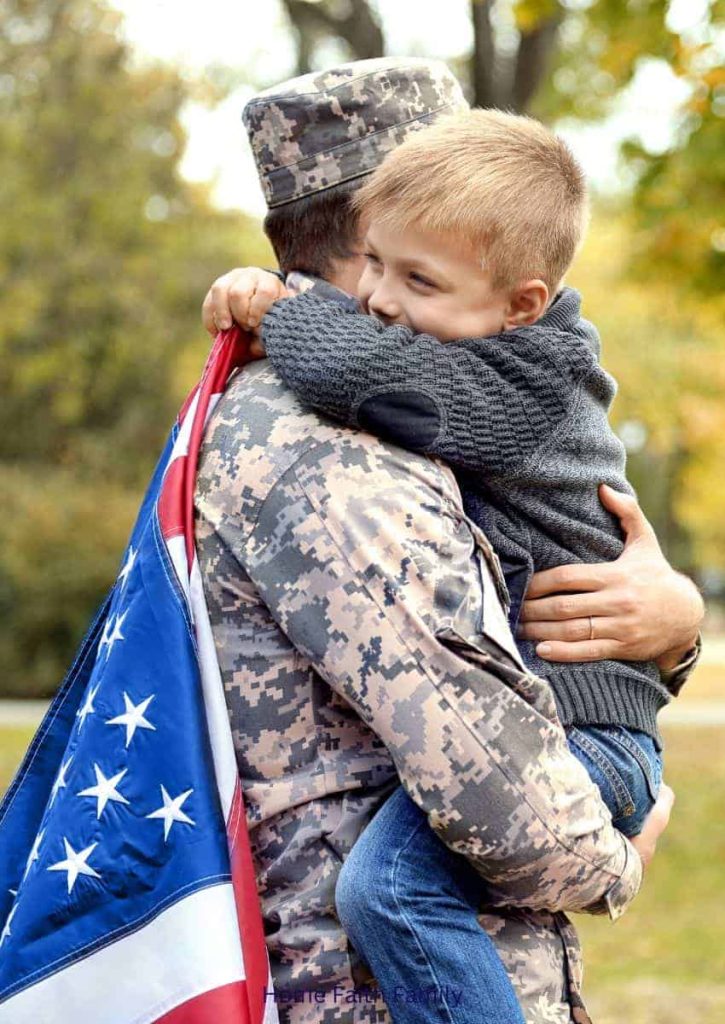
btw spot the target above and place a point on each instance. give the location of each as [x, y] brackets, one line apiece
[327, 127]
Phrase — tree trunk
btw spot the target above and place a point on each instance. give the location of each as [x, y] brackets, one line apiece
[357, 25]
[532, 62]
[484, 55]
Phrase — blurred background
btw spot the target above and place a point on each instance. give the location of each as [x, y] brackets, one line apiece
[126, 187]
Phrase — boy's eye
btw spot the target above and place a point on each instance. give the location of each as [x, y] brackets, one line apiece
[371, 258]
[419, 279]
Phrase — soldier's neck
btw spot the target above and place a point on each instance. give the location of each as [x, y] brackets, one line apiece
[345, 273]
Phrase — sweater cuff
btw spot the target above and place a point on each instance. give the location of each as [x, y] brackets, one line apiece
[616, 900]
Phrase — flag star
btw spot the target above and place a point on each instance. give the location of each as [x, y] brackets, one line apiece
[126, 571]
[87, 708]
[105, 789]
[33, 855]
[75, 863]
[6, 929]
[133, 717]
[171, 811]
[115, 635]
[107, 627]
[60, 780]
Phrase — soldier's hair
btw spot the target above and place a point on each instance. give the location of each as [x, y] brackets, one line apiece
[310, 233]
[503, 184]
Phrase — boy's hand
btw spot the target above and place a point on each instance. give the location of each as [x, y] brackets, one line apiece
[636, 608]
[243, 295]
[654, 825]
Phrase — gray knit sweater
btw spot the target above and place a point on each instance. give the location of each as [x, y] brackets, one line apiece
[522, 418]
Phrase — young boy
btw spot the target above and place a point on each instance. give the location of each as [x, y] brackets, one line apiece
[472, 351]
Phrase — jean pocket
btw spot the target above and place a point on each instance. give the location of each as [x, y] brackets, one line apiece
[625, 766]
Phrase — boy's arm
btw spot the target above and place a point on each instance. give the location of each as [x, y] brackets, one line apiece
[642, 609]
[482, 408]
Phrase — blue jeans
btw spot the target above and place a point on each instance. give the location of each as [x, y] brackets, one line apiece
[409, 904]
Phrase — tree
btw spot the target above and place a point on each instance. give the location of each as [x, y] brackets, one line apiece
[105, 254]
[557, 58]
[353, 22]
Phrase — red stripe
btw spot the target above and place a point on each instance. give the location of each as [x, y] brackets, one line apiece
[230, 349]
[251, 929]
[169, 505]
[225, 1005]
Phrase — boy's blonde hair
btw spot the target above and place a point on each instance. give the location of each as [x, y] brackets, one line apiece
[504, 184]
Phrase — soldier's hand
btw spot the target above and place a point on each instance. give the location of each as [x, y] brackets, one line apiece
[654, 825]
[636, 608]
[243, 296]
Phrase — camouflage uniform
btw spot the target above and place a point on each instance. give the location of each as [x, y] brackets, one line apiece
[358, 623]
[333, 126]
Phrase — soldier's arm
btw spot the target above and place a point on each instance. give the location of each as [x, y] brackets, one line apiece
[363, 556]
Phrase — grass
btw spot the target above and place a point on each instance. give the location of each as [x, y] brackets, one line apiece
[707, 683]
[664, 961]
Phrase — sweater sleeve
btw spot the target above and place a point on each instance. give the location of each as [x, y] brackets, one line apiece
[482, 404]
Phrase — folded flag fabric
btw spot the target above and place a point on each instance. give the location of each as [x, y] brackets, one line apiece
[128, 892]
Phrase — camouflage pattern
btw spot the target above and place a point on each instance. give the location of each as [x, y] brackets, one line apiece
[358, 624]
[332, 126]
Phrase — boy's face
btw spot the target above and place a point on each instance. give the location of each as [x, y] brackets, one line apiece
[430, 283]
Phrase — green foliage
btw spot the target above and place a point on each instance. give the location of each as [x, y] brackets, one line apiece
[62, 544]
[680, 194]
[667, 351]
[105, 256]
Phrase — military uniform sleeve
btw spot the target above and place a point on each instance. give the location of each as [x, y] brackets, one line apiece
[480, 404]
[675, 678]
[365, 560]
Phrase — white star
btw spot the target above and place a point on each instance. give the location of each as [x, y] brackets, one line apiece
[6, 929]
[133, 717]
[75, 863]
[33, 855]
[87, 708]
[105, 789]
[116, 634]
[125, 572]
[171, 811]
[60, 780]
[107, 627]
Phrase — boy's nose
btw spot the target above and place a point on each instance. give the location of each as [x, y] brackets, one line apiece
[383, 304]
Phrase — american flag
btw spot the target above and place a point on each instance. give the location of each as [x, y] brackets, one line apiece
[128, 889]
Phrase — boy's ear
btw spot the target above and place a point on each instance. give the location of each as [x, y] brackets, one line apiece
[527, 304]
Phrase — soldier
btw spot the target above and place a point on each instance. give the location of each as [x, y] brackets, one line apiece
[359, 626]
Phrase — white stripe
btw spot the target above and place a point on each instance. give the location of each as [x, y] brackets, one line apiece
[271, 1016]
[213, 399]
[181, 445]
[191, 948]
[176, 546]
[222, 743]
